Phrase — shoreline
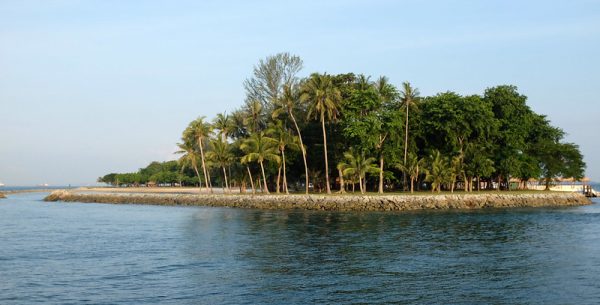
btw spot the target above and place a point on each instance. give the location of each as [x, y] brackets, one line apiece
[390, 202]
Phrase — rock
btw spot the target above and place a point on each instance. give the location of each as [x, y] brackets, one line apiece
[2, 195]
[57, 195]
[334, 203]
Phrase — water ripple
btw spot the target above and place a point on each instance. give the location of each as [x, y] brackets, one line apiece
[118, 254]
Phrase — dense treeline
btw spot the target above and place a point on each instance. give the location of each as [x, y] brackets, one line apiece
[349, 132]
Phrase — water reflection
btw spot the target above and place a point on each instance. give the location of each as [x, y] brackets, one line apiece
[334, 257]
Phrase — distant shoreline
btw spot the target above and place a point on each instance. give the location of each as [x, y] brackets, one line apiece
[348, 202]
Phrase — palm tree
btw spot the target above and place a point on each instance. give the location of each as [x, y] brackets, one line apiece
[323, 98]
[410, 98]
[454, 170]
[287, 103]
[260, 148]
[438, 172]
[359, 165]
[386, 94]
[245, 160]
[224, 124]
[412, 168]
[189, 156]
[199, 130]
[254, 115]
[220, 154]
[284, 140]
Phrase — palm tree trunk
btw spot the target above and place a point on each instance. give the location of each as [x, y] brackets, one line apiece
[285, 185]
[360, 184]
[198, 175]
[412, 185]
[204, 165]
[226, 182]
[251, 180]
[264, 177]
[325, 150]
[278, 179]
[301, 148]
[258, 182]
[381, 174]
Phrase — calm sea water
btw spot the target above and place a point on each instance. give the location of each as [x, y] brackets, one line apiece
[73, 253]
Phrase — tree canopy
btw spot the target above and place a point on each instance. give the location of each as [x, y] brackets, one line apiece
[292, 132]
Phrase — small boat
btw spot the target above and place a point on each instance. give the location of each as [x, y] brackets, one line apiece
[1, 184]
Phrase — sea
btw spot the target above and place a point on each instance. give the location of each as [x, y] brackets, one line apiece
[84, 253]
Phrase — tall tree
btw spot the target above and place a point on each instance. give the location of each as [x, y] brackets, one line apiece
[288, 103]
[187, 149]
[224, 124]
[388, 116]
[284, 139]
[200, 130]
[410, 99]
[259, 148]
[271, 76]
[323, 98]
[515, 120]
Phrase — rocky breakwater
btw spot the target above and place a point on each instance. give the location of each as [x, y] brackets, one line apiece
[2, 195]
[336, 202]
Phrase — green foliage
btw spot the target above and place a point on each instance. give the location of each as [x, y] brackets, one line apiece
[356, 166]
[438, 171]
[288, 124]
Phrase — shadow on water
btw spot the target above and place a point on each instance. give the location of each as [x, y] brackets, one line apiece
[372, 257]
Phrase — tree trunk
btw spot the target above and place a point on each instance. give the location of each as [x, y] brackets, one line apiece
[204, 165]
[285, 185]
[251, 180]
[278, 179]
[381, 174]
[342, 189]
[499, 179]
[360, 184]
[198, 174]
[412, 184]
[405, 146]
[259, 183]
[264, 177]
[478, 183]
[301, 148]
[226, 182]
[325, 151]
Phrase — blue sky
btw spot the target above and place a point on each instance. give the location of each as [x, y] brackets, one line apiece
[90, 87]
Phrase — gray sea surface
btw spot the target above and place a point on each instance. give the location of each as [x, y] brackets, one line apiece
[82, 253]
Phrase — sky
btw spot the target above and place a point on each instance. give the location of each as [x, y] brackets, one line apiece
[92, 87]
